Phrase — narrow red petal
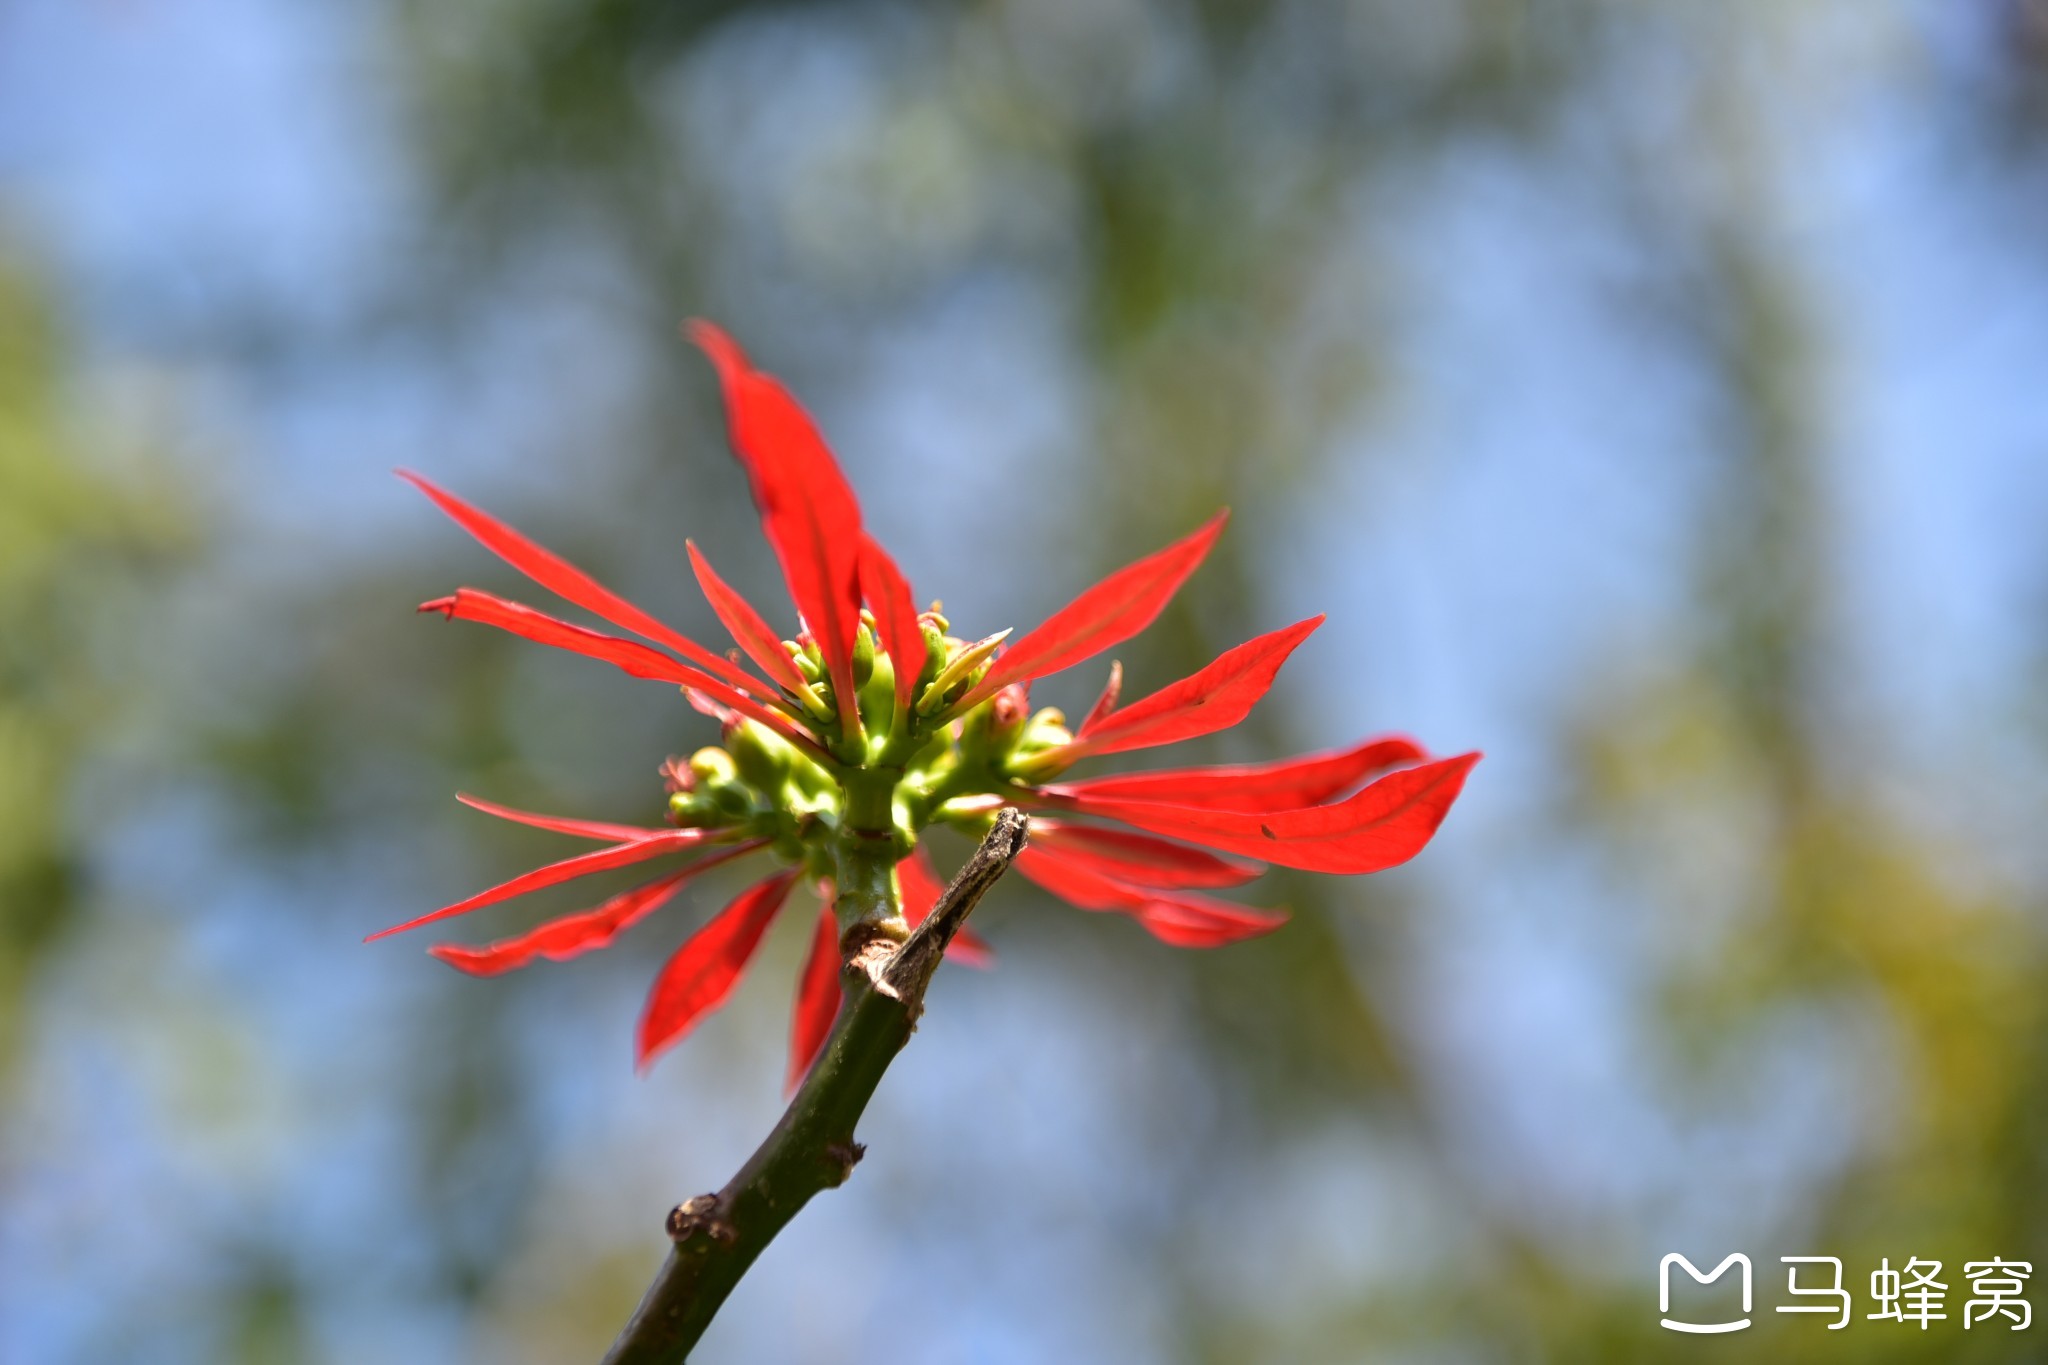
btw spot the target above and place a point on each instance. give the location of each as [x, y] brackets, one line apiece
[569, 869]
[1181, 918]
[562, 824]
[1387, 823]
[919, 883]
[1175, 920]
[558, 940]
[921, 888]
[1103, 617]
[818, 993]
[1106, 703]
[747, 628]
[1142, 859]
[1215, 698]
[1283, 785]
[571, 584]
[808, 510]
[888, 593]
[641, 661]
[473, 604]
[702, 973]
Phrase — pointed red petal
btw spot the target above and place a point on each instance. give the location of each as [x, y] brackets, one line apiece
[1387, 823]
[641, 661]
[704, 970]
[818, 993]
[1177, 919]
[808, 510]
[558, 940]
[571, 584]
[473, 604]
[562, 824]
[888, 592]
[1215, 698]
[745, 625]
[1103, 617]
[1142, 859]
[919, 882]
[1181, 918]
[1106, 703]
[1283, 785]
[567, 870]
[921, 888]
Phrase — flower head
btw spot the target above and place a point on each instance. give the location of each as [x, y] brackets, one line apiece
[841, 746]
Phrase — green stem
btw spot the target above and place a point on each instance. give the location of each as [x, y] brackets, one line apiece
[864, 885]
[718, 1236]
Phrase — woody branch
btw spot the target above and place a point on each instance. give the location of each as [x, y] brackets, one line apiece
[717, 1236]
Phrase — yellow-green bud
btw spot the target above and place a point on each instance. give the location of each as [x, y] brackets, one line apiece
[689, 810]
[863, 655]
[936, 648]
[878, 695]
[761, 756]
[714, 767]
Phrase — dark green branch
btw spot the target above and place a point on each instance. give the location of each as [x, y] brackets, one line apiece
[717, 1236]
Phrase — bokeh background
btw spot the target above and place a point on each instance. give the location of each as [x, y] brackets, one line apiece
[1654, 392]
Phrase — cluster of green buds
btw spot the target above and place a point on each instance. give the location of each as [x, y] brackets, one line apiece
[852, 807]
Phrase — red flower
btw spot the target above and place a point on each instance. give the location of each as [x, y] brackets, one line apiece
[874, 724]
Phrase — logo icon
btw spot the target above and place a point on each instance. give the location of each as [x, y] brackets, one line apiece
[1664, 1293]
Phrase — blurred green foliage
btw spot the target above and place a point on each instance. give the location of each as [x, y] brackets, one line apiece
[75, 543]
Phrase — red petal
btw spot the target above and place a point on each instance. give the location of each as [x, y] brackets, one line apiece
[568, 870]
[561, 824]
[920, 885]
[1387, 823]
[1181, 918]
[558, 940]
[571, 584]
[1103, 617]
[1284, 785]
[704, 970]
[888, 592]
[1216, 698]
[808, 510]
[1142, 859]
[921, 889]
[818, 993]
[472, 604]
[738, 616]
[1175, 920]
[1106, 703]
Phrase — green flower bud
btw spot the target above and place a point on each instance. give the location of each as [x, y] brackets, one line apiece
[1045, 730]
[762, 757]
[878, 695]
[1041, 753]
[713, 767]
[936, 648]
[734, 801]
[692, 809]
[990, 730]
[863, 655]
